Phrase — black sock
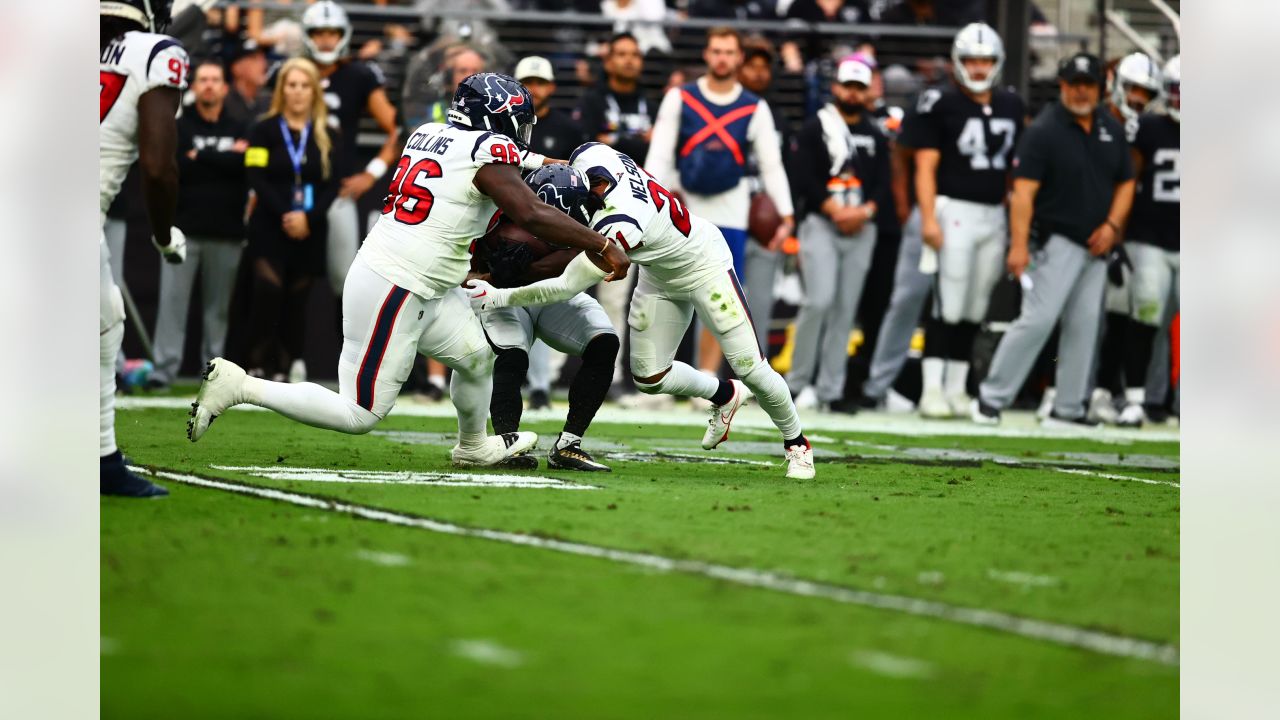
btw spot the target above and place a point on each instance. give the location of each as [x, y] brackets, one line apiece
[797, 440]
[723, 394]
[1139, 344]
[506, 405]
[591, 384]
[113, 459]
[937, 338]
[962, 336]
[1111, 355]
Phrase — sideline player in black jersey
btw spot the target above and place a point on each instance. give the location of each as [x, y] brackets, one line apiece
[964, 138]
[1135, 84]
[351, 87]
[1154, 239]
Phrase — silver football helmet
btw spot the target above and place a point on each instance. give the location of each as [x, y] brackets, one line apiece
[326, 15]
[1173, 87]
[1134, 70]
[977, 40]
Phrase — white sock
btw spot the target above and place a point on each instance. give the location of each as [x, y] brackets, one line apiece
[108, 346]
[311, 404]
[470, 395]
[956, 374]
[684, 381]
[566, 439]
[773, 396]
[436, 380]
[932, 368]
[1135, 396]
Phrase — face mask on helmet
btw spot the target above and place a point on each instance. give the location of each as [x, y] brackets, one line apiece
[1134, 72]
[566, 189]
[977, 40]
[152, 15]
[326, 15]
[1173, 88]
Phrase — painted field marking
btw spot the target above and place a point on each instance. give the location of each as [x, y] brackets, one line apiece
[385, 559]
[1014, 577]
[894, 666]
[646, 456]
[1111, 476]
[403, 477]
[1059, 633]
[487, 652]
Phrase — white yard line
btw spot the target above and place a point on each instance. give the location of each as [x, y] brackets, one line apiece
[1112, 476]
[894, 666]
[1058, 633]
[404, 477]
[1014, 423]
[487, 652]
[385, 559]
[1015, 577]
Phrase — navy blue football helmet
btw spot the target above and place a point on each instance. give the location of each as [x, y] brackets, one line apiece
[567, 189]
[494, 102]
[152, 15]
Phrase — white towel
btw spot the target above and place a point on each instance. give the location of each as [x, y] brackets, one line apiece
[835, 133]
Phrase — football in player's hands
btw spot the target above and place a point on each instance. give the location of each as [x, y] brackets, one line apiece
[483, 296]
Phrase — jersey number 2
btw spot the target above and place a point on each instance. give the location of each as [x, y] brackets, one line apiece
[411, 202]
[1166, 181]
[679, 213]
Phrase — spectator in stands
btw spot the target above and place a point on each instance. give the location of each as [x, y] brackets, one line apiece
[619, 113]
[460, 62]
[795, 53]
[843, 182]
[701, 138]
[211, 145]
[932, 12]
[290, 170]
[641, 18]
[734, 9]
[246, 101]
[764, 255]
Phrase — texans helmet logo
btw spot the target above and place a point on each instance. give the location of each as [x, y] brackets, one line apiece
[498, 98]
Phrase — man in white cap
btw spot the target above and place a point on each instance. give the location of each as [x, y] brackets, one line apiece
[842, 178]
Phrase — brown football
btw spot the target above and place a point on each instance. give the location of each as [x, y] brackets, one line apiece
[763, 219]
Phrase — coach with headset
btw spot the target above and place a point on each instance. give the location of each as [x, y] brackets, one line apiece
[1072, 189]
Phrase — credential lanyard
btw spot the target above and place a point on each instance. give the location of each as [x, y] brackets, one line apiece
[297, 154]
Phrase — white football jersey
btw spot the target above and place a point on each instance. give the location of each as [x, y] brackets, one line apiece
[131, 65]
[677, 248]
[433, 212]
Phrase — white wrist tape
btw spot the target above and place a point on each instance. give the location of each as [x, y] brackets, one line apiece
[532, 161]
[376, 167]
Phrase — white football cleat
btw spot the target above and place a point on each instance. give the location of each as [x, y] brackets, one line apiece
[1131, 416]
[1102, 408]
[959, 404]
[933, 404]
[800, 462]
[722, 415]
[807, 399]
[494, 449]
[223, 387]
[1046, 403]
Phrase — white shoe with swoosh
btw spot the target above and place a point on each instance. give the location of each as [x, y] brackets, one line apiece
[722, 415]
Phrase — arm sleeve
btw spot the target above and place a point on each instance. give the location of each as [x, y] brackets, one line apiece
[270, 198]
[813, 159]
[661, 160]
[1031, 160]
[766, 142]
[578, 275]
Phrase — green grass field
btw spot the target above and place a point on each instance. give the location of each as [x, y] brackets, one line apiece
[219, 604]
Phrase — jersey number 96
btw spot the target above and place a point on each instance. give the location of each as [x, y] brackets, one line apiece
[410, 201]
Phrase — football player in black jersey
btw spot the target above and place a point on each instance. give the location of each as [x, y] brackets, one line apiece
[1135, 84]
[1154, 239]
[964, 138]
[351, 88]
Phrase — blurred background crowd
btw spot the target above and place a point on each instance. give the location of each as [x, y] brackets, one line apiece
[597, 70]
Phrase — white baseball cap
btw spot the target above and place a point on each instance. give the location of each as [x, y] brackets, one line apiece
[853, 71]
[535, 66]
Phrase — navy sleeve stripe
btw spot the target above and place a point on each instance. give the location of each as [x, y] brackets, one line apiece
[479, 140]
[155, 50]
[584, 146]
[616, 218]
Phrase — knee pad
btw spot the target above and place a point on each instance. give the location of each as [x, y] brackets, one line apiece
[602, 350]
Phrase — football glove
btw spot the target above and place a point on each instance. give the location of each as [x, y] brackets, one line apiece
[176, 251]
[508, 263]
[485, 297]
[1116, 264]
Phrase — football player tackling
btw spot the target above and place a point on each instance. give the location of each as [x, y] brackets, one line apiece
[685, 267]
[402, 294]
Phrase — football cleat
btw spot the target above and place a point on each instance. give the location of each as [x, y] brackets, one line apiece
[1102, 408]
[114, 478]
[223, 387]
[1046, 403]
[959, 404]
[807, 399]
[519, 462]
[982, 413]
[539, 400]
[1131, 416]
[494, 449]
[933, 404]
[722, 415]
[573, 457]
[1057, 421]
[800, 462]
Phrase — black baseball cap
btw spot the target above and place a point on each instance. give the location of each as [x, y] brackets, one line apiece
[243, 47]
[1081, 66]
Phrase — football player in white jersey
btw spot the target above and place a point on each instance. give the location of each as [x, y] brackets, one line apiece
[142, 75]
[685, 267]
[402, 294]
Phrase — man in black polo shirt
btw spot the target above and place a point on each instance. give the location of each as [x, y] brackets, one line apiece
[1072, 190]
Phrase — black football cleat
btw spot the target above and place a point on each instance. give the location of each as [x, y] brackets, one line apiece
[114, 478]
[573, 457]
[539, 400]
